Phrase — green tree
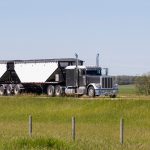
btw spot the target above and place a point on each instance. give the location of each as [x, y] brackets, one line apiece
[143, 84]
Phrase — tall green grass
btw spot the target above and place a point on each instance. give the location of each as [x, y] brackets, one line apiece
[34, 143]
[97, 123]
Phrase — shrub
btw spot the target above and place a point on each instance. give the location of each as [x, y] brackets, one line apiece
[143, 84]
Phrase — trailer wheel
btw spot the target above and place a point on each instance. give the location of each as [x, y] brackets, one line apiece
[58, 90]
[51, 91]
[91, 91]
[17, 89]
[9, 89]
[2, 90]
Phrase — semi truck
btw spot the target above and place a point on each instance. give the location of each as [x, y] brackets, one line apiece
[55, 77]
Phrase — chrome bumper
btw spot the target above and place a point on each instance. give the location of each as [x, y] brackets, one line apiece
[106, 92]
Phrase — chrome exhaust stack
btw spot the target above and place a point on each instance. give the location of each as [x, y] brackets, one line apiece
[97, 60]
[76, 72]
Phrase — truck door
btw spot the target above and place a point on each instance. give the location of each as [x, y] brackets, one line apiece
[82, 77]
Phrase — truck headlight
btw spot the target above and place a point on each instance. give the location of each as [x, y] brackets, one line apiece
[115, 86]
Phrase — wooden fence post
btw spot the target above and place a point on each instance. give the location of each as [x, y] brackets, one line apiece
[121, 131]
[73, 128]
[30, 125]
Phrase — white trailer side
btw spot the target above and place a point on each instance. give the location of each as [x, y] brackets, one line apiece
[3, 68]
[37, 72]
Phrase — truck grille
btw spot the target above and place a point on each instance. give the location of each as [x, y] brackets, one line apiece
[107, 82]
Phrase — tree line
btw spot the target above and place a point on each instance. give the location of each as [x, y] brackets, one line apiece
[142, 83]
[124, 79]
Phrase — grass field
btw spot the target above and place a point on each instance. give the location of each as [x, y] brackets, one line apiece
[97, 122]
[127, 90]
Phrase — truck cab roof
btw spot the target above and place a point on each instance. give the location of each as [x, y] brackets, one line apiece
[74, 67]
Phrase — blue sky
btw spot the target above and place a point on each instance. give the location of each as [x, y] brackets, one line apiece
[117, 29]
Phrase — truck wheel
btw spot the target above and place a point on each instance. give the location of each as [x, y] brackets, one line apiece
[58, 90]
[9, 89]
[112, 96]
[2, 90]
[91, 91]
[17, 89]
[50, 90]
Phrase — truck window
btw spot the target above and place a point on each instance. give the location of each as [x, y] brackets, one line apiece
[96, 72]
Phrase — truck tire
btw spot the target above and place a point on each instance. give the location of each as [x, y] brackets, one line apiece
[2, 90]
[112, 96]
[51, 91]
[17, 89]
[91, 91]
[58, 90]
[9, 90]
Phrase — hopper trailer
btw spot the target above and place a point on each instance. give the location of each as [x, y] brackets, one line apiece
[55, 77]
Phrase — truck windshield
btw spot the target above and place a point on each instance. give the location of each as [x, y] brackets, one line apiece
[94, 72]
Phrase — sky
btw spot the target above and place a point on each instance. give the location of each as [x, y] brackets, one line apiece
[119, 30]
